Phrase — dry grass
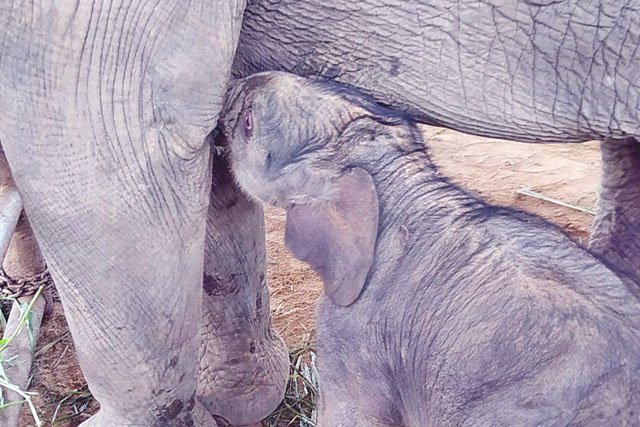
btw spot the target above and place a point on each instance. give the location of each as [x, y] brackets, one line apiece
[298, 408]
[537, 195]
[75, 405]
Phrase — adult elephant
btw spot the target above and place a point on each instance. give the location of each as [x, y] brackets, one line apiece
[106, 111]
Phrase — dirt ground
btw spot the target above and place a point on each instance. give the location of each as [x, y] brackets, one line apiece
[492, 169]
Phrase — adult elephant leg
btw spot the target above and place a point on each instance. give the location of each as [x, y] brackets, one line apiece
[616, 228]
[127, 267]
[105, 110]
[244, 364]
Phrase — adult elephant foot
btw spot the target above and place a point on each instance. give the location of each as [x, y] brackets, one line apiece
[201, 418]
[242, 379]
[244, 364]
[616, 228]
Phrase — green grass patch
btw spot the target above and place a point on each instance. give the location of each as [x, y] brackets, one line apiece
[5, 382]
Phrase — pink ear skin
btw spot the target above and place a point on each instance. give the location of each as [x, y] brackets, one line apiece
[337, 239]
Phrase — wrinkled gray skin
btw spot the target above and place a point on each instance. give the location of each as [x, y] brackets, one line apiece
[541, 71]
[104, 112]
[439, 310]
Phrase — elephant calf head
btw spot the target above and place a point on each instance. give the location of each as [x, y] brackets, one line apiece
[287, 145]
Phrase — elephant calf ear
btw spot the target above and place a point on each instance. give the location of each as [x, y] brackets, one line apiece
[337, 239]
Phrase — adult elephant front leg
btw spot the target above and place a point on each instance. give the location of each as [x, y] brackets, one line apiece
[616, 228]
[244, 363]
[105, 110]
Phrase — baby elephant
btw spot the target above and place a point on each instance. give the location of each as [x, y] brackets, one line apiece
[439, 309]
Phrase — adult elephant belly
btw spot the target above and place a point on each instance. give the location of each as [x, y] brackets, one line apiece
[104, 120]
[543, 71]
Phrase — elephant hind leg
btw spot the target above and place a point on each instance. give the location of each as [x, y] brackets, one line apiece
[616, 228]
[244, 365]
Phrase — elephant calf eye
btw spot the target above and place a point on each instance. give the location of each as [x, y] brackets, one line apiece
[247, 123]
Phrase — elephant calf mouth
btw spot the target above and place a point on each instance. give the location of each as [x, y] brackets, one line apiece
[220, 139]
[221, 146]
